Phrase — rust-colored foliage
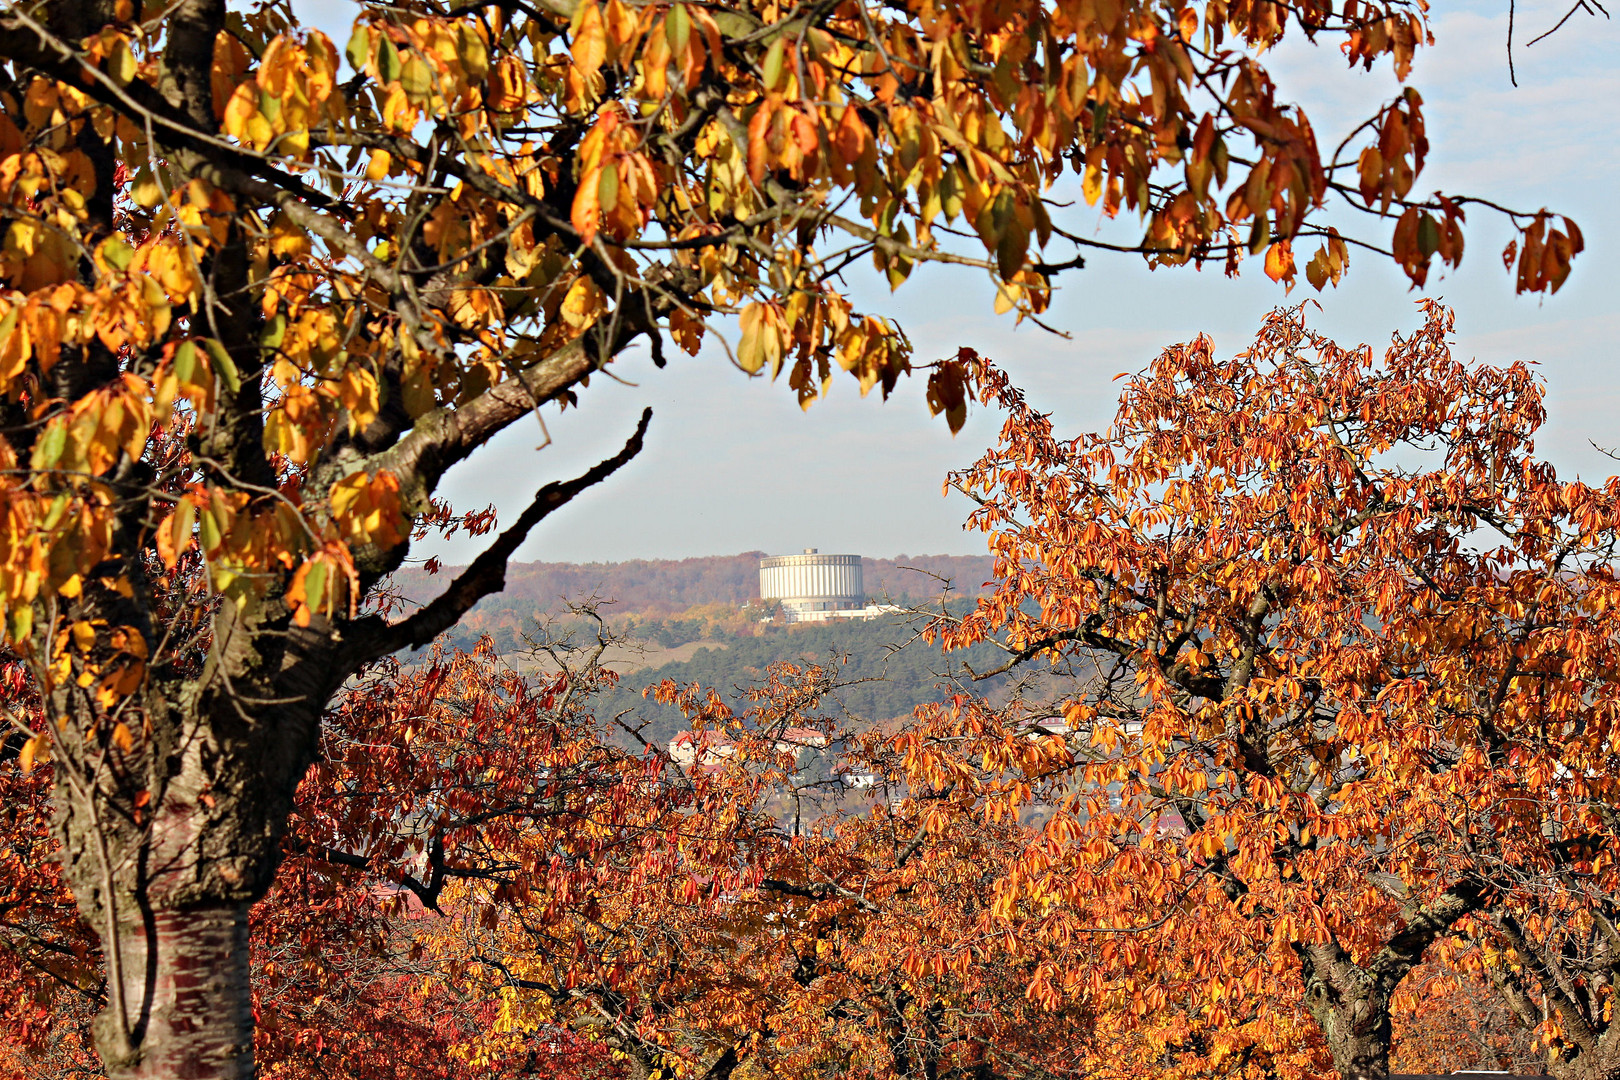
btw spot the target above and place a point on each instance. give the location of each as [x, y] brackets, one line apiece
[48, 962]
[342, 984]
[1345, 659]
[731, 909]
[1449, 1017]
[253, 308]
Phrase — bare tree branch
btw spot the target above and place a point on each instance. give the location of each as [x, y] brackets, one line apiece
[487, 573]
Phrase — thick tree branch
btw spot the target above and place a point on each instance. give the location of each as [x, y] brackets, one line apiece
[487, 573]
[447, 435]
[1576, 1028]
[1405, 950]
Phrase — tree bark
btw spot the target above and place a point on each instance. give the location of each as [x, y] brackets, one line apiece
[1350, 1001]
[1351, 1008]
[187, 993]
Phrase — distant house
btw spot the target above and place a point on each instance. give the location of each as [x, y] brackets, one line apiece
[795, 739]
[1170, 823]
[700, 748]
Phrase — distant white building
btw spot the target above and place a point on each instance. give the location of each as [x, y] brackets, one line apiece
[699, 748]
[813, 587]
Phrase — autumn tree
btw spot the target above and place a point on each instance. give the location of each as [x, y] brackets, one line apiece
[1346, 677]
[255, 308]
[489, 802]
[1449, 1018]
[1551, 960]
[48, 959]
[427, 781]
[340, 985]
[734, 911]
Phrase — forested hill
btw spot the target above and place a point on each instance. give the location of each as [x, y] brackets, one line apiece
[882, 683]
[662, 587]
[690, 620]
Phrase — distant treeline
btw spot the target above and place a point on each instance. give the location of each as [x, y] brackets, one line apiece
[668, 603]
[885, 683]
[664, 587]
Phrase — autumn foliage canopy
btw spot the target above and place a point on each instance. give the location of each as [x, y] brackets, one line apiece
[261, 289]
[1313, 781]
[1346, 662]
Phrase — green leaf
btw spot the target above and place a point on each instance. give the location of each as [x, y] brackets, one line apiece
[22, 622]
[950, 193]
[678, 30]
[274, 331]
[224, 366]
[1259, 234]
[1428, 235]
[359, 50]
[1010, 251]
[772, 66]
[388, 65]
[472, 51]
[48, 451]
[185, 362]
[416, 78]
[234, 586]
[315, 585]
[53, 516]
[209, 533]
[116, 253]
[1003, 212]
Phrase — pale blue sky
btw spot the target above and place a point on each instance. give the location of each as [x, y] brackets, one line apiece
[732, 464]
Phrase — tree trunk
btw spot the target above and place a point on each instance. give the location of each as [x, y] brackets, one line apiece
[1599, 1061]
[1351, 1007]
[1359, 1043]
[186, 1011]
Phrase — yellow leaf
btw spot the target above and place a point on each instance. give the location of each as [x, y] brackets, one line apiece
[287, 240]
[583, 303]
[359, 394]
[1091, 186]
[589, 47]
[35, 749]
[121, 65]
[508, 86]
[240, 110]
[377, 167]
[751, 349]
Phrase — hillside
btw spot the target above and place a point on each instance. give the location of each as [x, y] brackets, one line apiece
[883, 682]
[689, 620]
[673, 601]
